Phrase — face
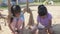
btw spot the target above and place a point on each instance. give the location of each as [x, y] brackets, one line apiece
[17, 14]
[43, 16]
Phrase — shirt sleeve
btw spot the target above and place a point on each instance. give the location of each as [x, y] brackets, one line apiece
[22, 16]
[49, 16]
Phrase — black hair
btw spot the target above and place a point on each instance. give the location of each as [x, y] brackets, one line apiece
[14, 10]
[42, 10]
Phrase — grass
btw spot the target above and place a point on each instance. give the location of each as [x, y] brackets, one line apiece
[57, 3]
[3, 7]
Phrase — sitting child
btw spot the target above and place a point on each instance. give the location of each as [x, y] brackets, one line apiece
[44, 19]
[17, 20]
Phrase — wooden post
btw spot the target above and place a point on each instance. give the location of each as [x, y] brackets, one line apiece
[9, 6]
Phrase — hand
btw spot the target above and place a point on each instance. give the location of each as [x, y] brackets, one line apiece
[16, 33]
[12, 32]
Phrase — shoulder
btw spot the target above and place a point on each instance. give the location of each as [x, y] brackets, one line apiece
[22, 15]
[38, 18]
[49, 16]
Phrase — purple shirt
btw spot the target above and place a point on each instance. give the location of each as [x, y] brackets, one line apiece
[44, 21]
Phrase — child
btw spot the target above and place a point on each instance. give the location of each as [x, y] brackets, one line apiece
[44, 18]
[17, 20]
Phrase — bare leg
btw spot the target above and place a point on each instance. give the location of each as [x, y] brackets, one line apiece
[50, 31]
[34, 32]
[43, 31]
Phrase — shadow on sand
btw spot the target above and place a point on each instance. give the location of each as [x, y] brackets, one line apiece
[56, 28]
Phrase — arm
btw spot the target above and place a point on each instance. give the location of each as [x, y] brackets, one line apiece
[37, 20]
[11, 20]
[37, 23]
[50, 19]
[50, 23]
[11, 28]
[10, 25]
[23, 25]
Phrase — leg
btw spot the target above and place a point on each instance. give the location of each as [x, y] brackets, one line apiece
[34, 31]
[50, 31]
[43, 31]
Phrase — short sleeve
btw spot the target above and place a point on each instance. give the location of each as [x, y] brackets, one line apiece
[49, 16]
[22, 16]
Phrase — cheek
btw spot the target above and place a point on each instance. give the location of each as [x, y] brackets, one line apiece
[16, 14]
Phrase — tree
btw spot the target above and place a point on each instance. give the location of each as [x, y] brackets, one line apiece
[27, 5]
[9, 6]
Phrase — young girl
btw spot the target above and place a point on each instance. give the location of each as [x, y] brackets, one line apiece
[44, 19]
[17, 20]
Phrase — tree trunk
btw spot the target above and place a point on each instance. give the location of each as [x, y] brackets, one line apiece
[27, 5]
[9, 9]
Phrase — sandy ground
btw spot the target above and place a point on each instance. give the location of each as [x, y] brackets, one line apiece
[54, 10]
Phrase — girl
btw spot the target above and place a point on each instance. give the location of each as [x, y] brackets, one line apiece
[17, 21]
[44, 19]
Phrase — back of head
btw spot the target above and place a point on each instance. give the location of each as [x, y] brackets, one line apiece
[15, 9]
[42, 10]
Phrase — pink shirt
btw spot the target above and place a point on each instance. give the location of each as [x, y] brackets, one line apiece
[17, 24]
